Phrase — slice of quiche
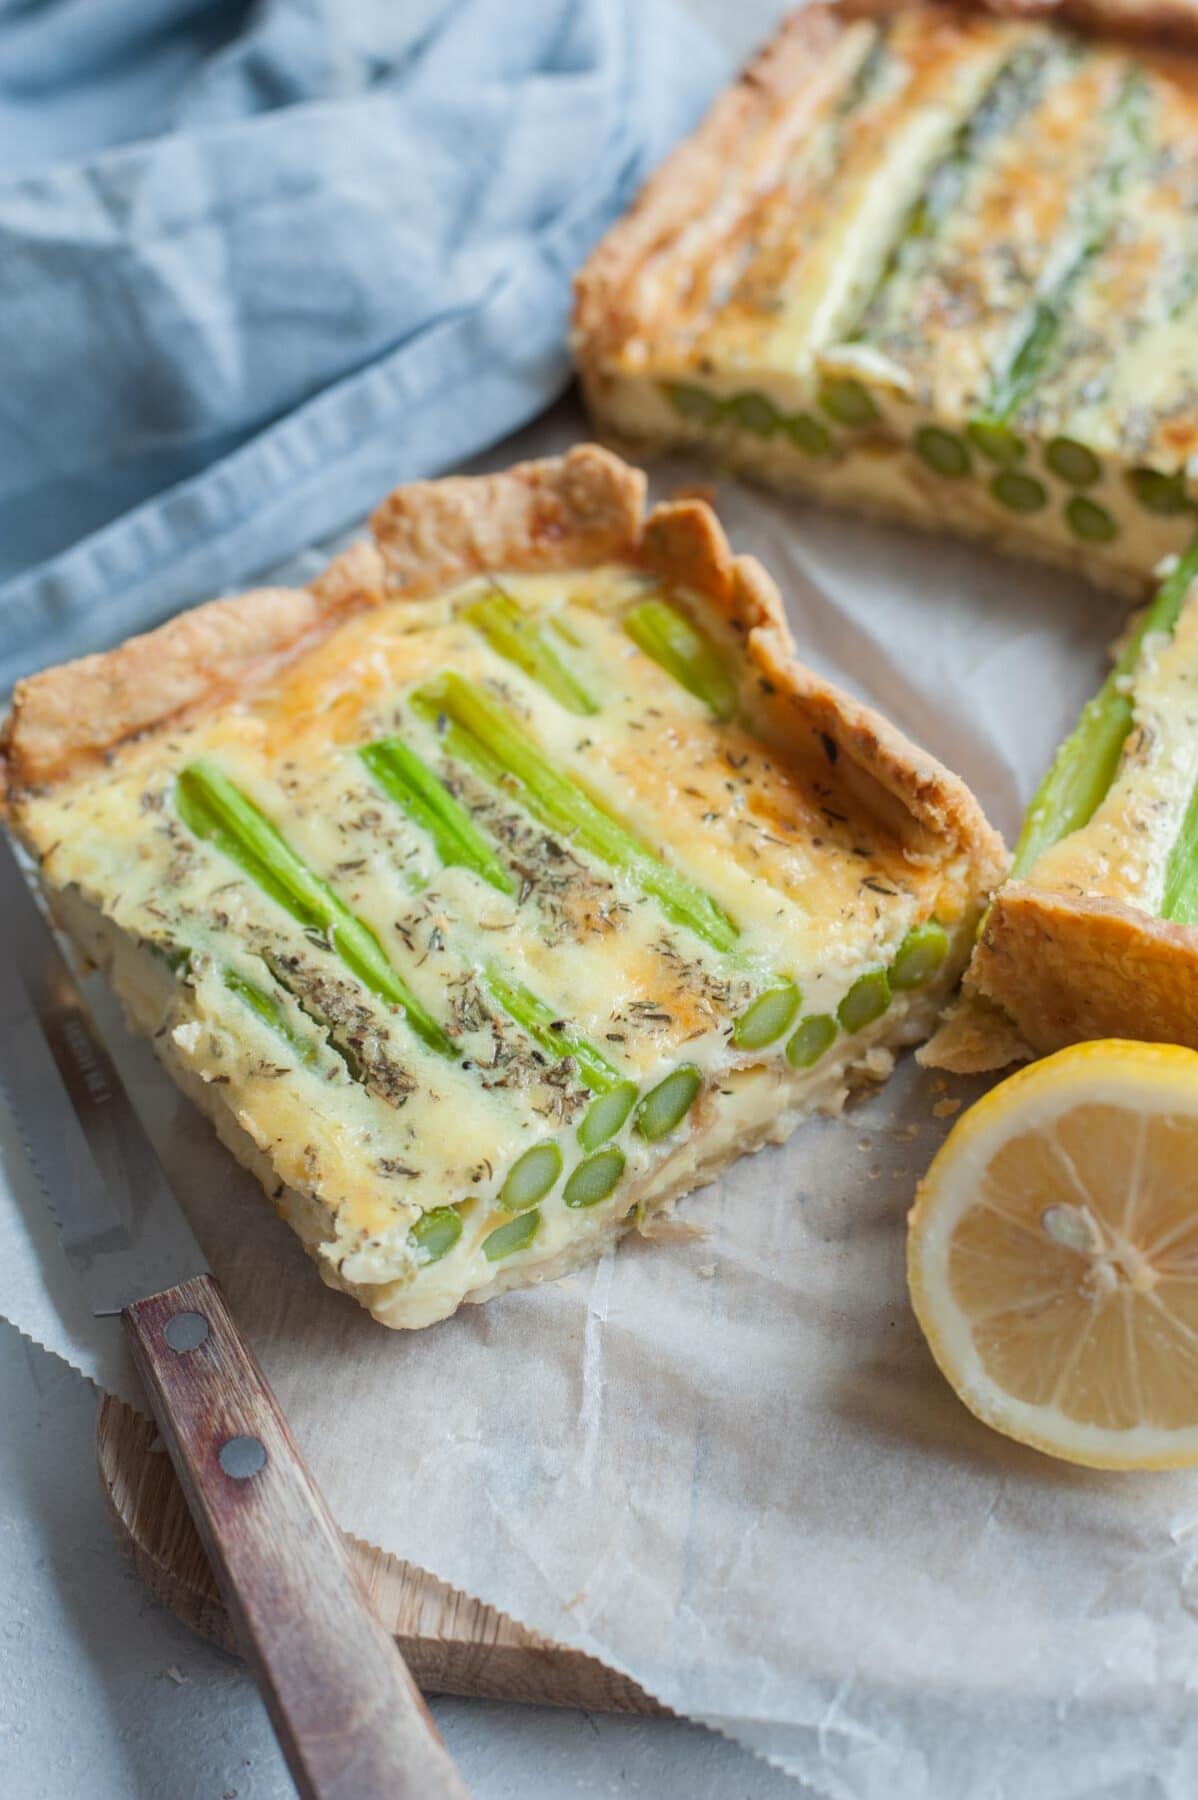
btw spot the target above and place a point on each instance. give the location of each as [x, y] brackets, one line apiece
[1095, 934]
[503, 885]
[933, 264]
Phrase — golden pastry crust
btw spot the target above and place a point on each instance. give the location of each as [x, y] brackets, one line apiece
[1068, 968]
[357, 573]
[556, 513]
[559, 513]
[627, 283]
[684, 542]
[1154, 21]
[73, 713]
[974, 1037]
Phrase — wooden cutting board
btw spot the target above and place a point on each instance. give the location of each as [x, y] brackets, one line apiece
[452, 1644]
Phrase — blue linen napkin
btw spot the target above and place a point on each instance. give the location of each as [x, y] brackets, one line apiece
[260, 262]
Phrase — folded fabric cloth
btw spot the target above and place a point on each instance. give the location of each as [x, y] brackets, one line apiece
[260, 262]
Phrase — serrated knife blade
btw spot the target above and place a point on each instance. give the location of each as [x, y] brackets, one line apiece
[123, 1231]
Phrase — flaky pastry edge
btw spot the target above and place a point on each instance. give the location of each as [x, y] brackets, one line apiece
[1066, 968]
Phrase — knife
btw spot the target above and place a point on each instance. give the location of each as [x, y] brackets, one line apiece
[350, 1720]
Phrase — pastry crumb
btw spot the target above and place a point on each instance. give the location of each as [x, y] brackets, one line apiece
[664, 1228]
[944, 1109]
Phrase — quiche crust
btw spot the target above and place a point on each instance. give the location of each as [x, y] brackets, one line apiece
[1157, 21]
[1069, 967]
[552, 514]
[76, 728]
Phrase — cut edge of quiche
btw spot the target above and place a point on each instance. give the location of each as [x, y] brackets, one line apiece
[502, 885]
[1095, 932]
[932, 263]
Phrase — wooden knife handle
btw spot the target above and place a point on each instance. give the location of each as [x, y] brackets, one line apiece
[349, 1717]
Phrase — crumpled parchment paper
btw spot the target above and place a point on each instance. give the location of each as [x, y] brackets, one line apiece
[726, 1463]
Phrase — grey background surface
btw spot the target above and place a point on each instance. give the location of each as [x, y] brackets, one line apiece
[104, 1695]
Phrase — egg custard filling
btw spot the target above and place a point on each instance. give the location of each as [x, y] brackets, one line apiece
[933, 264]
[505, 884]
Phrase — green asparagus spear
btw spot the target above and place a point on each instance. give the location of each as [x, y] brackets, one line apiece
[1040, 333]
[809, 433]
[919, 955]
[694, 402]
[865, 1001]
[271, 1013]
[815, 1035]
[531, 1176]
[594, 1179]
[1180, 900]
[844, 399]
[259, 1000]
[615, 1097]
[326, 1027]
[606, 1115]
[430, 805]
[756, 413]
[1040, 328]
[764, 1021]
[518, 639]
[1073, 462]
[1089, 521]
[216, 810]
[474, 728]
[517, 1234]
[1012, 90]
[685, 652]
[549, 1031]
[943, 451]
[435, 1233]
[998, 444]
[1019, 491]
[666, 1105]
[1084, 767]
[1158, 493]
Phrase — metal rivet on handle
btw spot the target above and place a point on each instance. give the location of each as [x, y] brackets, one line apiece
[185, 1331]
[242, 1457]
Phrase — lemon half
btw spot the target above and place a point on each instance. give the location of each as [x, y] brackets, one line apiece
[1053, 1256]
